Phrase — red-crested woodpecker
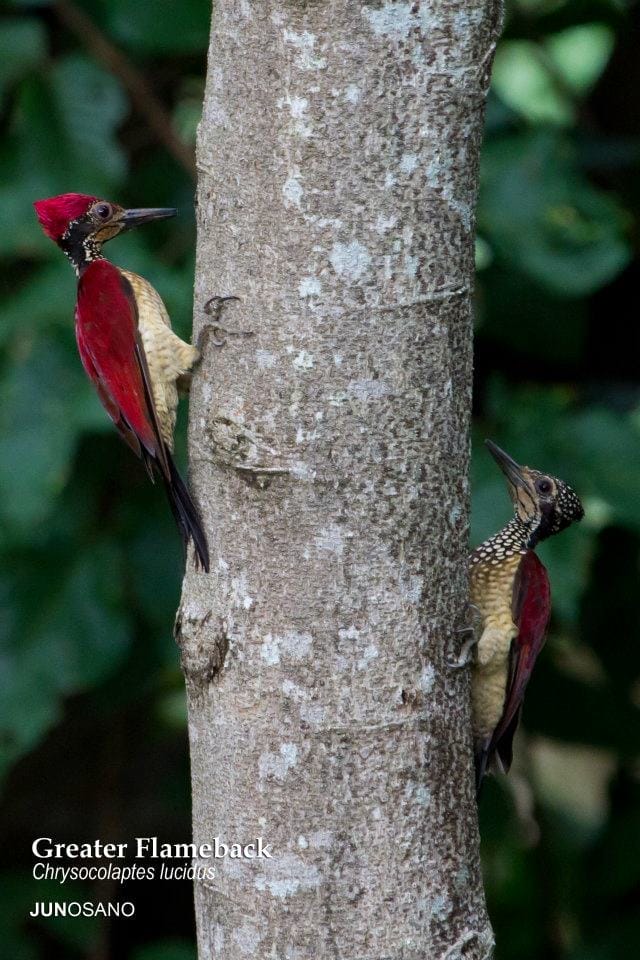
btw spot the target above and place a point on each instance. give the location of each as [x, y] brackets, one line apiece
[126, 343]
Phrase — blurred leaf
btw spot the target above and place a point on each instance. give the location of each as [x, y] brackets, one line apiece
[567, 560]
[608, 450]
[172, 708]
[45, 403]
[523, 81]
[16, 896]
[76, 934]
[22, 47]
[572, 781]
[92, 103]
[67, 632]
[581, 53]
[537, 7]
[619, 854]
[155, 569]
[563, 708]
[166, 950]
[542, 81]
[546, 318]
[45, 300]
[139, 26]
[499, 117]
[186, 119]
[483, 254]
[544, 218]
[612, 944]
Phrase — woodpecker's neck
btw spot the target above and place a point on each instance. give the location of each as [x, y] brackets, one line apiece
[517, 536]
[79, 247]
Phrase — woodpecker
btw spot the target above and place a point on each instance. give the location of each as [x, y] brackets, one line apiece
[126, 343]
[510, 591]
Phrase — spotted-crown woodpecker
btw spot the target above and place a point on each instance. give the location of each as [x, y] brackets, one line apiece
[510, 592]
[126, 343]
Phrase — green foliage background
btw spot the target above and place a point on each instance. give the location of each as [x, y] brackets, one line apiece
[92, 721]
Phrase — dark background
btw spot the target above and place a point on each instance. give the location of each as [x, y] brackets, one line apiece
[92, 716]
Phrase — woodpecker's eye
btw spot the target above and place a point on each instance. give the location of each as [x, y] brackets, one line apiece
[544, 486]
[103, 210]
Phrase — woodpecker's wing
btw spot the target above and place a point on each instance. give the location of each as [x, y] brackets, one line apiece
[531, 608]
[113, 356]
[106, 331]
[106, 401]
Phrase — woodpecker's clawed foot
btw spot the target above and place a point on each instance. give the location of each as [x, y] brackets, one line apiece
[476, 615]
[214, 307]
[465, 656]
[472, 632]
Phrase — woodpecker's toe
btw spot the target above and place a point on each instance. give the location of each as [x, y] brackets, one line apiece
[214, 307]
[465, 656]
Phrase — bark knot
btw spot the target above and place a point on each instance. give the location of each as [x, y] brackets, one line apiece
[203, 646]
[238, 446]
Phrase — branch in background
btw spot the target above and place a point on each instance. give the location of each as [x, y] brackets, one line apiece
[143, 99]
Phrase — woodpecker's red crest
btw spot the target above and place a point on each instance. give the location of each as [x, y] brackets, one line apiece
[56, 213]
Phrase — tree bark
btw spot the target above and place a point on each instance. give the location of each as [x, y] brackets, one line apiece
[338, 160]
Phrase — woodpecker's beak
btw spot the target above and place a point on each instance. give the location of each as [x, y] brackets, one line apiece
[511, 469]
[134, 218]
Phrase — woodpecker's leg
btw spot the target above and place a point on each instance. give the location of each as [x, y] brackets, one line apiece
[183, 383]
[473, 635]
[214, 307]
[465, 656]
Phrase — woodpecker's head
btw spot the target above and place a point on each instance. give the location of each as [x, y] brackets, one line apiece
[80, 224]
[543, 504]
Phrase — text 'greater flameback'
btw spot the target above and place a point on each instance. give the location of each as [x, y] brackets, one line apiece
[510, 589]
[126, 343]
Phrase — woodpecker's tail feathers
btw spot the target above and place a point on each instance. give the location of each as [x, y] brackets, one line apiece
[186, 514]
[482, 763]
[494, 754]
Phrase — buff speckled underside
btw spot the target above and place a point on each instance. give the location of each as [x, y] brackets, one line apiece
[492, 593]
[168, 357]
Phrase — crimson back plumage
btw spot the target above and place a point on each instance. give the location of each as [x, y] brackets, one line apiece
[112, 355]
[531, 607]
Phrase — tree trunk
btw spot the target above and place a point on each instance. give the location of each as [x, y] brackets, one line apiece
[338, 159]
